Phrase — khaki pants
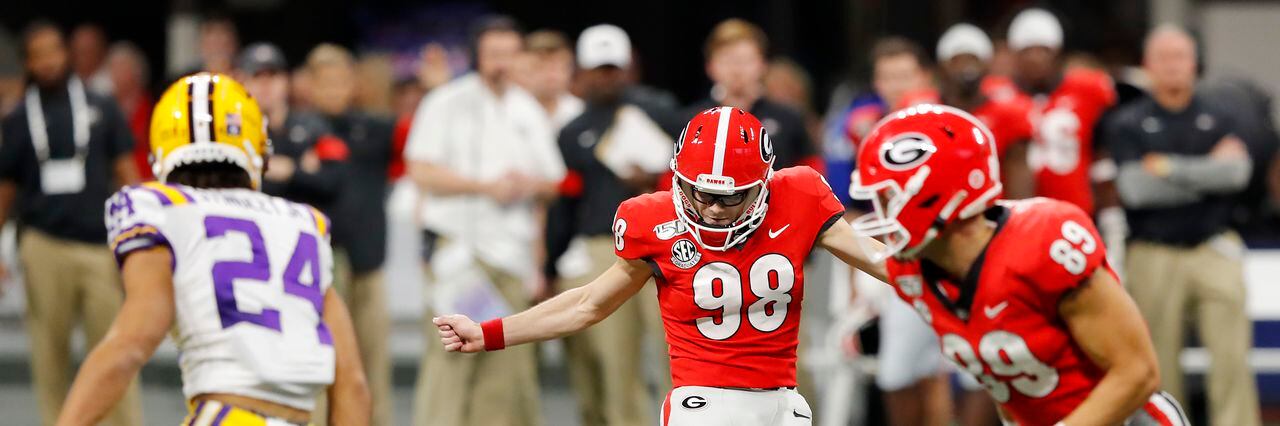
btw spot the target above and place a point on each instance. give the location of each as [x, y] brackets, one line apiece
[366, 301]
[69, 282]
[606, 360]
[481, 389]
[1205, 284]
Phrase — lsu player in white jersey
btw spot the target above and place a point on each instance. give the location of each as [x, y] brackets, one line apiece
[241, 278]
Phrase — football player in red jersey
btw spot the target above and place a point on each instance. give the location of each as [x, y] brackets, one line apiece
[964, 54]
[1019, 292]
[726, 246]
[1067, 106]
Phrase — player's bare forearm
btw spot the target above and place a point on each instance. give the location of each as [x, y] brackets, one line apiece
[349, 400]
[577, 309]
[140, 326]
[565, 314]
[1107, 325]
[842, 242]
[1019, 180]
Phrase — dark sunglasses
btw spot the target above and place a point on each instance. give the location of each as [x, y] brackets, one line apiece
[728, 200]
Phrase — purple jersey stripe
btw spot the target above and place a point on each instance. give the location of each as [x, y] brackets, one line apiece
[195, 413]
[190, 199]
[144, 236]
[326, 338]
[164, 199]
[222, 414]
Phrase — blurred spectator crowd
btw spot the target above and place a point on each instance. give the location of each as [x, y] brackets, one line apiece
[520, 163]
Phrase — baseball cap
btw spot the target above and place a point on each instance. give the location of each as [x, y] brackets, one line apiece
[961, 39]
[261, 56]
[603, 45]
[1035, 27]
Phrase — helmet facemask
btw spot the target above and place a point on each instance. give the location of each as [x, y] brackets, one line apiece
[888, 201]
[717, 237]
[881, 223]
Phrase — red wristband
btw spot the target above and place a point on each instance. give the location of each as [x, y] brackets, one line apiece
[493, 338]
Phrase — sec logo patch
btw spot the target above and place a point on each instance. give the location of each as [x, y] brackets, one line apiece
[684, 254]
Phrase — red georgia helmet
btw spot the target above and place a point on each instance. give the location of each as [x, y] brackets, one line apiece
[923, 168]
[722, 150]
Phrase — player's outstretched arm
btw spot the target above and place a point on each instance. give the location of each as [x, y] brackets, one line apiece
[842, 242]
[1105, 323]
[140, 326]
[564, 314]
[349, 400]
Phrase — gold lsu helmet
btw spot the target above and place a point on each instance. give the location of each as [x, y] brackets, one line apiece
[205, 118]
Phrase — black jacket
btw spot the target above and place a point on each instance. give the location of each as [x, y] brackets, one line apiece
[359, 212]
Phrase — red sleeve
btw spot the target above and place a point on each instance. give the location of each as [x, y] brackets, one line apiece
[632, 229]
[1063, 247]
[1095, 85]
[571, 185]
[332, 148]
[1010, 125]
[396, 167]
[828, 204]
[813, 190]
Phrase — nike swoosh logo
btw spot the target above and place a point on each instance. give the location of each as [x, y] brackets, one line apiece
[992, 311]
[774, 234]
[797, 414]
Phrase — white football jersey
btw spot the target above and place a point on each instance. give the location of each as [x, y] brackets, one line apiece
[249, 274]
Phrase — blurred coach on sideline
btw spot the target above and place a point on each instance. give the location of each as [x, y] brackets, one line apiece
[482, 152]
[1182, 168]
[64, 151]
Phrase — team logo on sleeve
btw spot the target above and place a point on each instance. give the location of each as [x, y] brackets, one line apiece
[684, 254]
[907, 151]
[669, 230]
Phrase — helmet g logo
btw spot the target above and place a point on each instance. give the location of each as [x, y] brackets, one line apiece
[906, 152]
[766, 147]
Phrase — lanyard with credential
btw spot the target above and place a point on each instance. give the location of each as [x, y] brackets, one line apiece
[79, 120]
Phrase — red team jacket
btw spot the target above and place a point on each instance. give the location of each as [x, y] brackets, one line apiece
[732, 318]
[1010, 336]
[1062, 149]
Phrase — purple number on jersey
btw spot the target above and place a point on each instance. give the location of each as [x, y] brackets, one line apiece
[225, 273]
[306, 256]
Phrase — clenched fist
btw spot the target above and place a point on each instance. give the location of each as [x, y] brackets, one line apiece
[459, 333]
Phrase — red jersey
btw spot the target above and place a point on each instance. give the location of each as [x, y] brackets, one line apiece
[999, 88]
[1003, 327]
[1062, 148]
[140, 126]
[732, 318]
[1008, 119]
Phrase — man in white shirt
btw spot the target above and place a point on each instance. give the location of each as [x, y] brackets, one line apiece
[482, 152]
[546, 72]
